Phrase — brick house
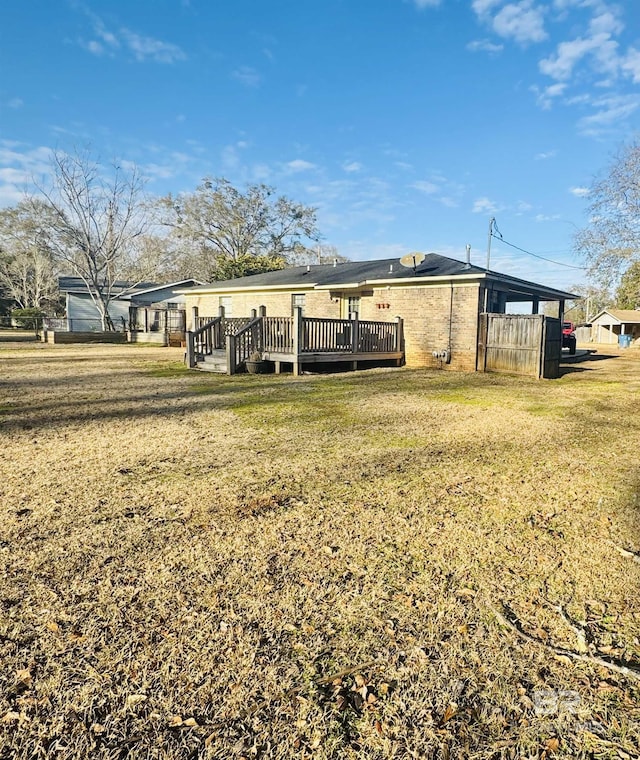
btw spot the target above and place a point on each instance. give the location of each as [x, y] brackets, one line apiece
[439, 302]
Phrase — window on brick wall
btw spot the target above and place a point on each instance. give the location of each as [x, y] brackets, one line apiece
[297, 299]
[350, 305]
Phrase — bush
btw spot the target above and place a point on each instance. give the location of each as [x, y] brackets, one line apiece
[30, 319]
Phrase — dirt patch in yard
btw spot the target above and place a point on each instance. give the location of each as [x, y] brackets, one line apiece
[391, 563]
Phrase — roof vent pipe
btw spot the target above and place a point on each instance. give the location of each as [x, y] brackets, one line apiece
[468, 264]
[390, 268]
[308, 267]
[335, 262]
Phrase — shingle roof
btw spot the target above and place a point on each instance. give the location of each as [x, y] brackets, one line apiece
[361, 273]
[73, 284]
[625, 315]
[434, 265]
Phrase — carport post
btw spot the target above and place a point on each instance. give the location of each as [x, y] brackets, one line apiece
[561, 311]
[535, 309]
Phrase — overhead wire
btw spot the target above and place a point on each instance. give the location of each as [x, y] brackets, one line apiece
[529, 253]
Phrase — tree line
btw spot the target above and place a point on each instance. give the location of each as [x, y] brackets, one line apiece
[101, 227]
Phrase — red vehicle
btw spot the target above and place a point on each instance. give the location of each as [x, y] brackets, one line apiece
[569, 337]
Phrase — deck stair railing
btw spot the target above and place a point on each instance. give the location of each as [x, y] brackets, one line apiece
[243, 343]
[203, 339]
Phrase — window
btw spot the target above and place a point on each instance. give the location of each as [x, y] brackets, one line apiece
[350, 305]
[225, 302]
[297, 299]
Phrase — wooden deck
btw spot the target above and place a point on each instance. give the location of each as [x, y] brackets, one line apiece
[295, 341]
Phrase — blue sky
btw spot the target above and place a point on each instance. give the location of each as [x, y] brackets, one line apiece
[407, 123]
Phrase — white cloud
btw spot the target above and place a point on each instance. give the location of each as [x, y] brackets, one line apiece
[606, 23]
[545, 155]
[631, 64]
[19, 166]
[612, 110]
[299, 165]
[247, 75]
[426, 3]
[425, 187]
[547, 217]
[483, 6]
[579, 192]
[485, 206]
[567, 56]
[545, 96]
[353, 166]
[523, 21]
[484, 46]
[143, 48]
[15, 103]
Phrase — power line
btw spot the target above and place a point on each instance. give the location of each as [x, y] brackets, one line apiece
[529, 253]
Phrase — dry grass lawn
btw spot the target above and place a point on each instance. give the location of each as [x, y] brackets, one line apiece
[383, 564]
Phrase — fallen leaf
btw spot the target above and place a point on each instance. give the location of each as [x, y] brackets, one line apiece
[51, 625]
[190, 722]
[175, 721]
[23, 679]
[10, 717]
[553, 744]
[452, 709]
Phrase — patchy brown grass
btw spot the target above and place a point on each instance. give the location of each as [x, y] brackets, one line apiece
[201, 566]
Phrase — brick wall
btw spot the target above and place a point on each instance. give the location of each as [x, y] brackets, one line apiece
[425, 311]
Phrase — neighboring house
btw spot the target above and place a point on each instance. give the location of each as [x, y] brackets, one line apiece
[440, 301]
[609, 324]
[83, 316]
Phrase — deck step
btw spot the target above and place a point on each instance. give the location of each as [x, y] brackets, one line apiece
[209, 366]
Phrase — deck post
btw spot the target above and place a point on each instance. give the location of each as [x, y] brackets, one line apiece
[231, 355]
[355, 332]
[262, 311]
[221, 311]
[399, 334]
[191, 351]
[194, 318]
[297, 339]
[254, 314]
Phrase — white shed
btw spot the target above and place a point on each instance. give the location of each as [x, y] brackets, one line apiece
[609, 324]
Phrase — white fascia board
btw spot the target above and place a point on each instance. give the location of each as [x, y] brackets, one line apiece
[245, 289]
[423, 281]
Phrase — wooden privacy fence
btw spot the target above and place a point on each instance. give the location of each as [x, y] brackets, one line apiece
[524, 344]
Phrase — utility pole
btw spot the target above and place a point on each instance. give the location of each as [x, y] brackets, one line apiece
[492, 221]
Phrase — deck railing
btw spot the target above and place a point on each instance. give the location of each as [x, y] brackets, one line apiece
[277, 334]
[326, 335]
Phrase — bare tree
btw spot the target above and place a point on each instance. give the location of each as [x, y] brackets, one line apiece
[628, 292]
[27, 270]
[95, 224]
[230, 233]
[321, 253]
[611, 241]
